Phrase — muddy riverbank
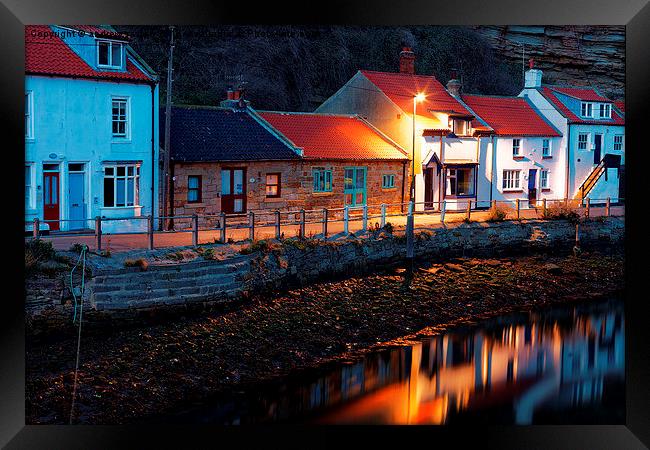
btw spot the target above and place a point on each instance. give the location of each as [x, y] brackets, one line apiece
[129, 374]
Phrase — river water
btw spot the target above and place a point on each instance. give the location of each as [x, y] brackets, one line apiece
[560, 365]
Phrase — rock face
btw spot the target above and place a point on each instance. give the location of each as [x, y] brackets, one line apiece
[576, 55]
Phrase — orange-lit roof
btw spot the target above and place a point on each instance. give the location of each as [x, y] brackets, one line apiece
[327, 136]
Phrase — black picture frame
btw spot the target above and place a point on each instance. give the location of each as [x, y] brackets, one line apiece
[635, 14]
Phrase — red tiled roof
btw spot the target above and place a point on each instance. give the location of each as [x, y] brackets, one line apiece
[586, 94]
[47, 54]
[325, 136]
[620, 104]
[510, 116]
[402, 87]
[549, 94]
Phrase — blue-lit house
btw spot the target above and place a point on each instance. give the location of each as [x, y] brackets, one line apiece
[91, 129]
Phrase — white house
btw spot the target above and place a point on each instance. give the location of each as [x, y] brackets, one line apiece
[526, 158]
[593, 129]
[91, 129]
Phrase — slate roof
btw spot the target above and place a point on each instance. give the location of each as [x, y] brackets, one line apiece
[509, 116]
[200, 133]
[334, 137]
[48, 54]
[400, 88]
[550, 94]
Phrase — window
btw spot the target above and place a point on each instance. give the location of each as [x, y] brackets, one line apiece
[119, 117]
[121, 185]
[546, 148]
[388, 181]
[29, 185]
[194, 183]
[460, 182]
[460, 127]
[273, 185]
[605, 111]
[583, 138]
[543, 179]
[511, 179]
[586, 109]
[29, 115]
[109, 54]
[618, 142]
[516, 147]
[322, 179]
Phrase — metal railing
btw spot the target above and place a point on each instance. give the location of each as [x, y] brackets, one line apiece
[254, 220]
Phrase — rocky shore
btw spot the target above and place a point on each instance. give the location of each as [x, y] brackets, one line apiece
[129, 374]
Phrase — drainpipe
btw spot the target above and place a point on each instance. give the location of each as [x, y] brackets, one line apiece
[403, 184]
[568, 160]
[153, 150]
[494, 158]
[478, 164]
[443, 175]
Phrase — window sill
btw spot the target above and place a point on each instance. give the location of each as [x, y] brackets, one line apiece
[508, 191]
[113, 208]
[454, 197]
[518, 158]
[322, 194]
[195, 205]
[546, 189]
[388, 188]
[117, 140]
[547, 157]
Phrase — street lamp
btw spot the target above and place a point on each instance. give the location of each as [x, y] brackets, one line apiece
[416, 98]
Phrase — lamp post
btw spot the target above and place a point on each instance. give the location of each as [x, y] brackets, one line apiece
[416, 98]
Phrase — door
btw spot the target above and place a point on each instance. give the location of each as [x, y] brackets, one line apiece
[76, 200]
[428, 187]
[354, 192]
[51, 199]
[233, 190]
[598, 143]
[532, 187]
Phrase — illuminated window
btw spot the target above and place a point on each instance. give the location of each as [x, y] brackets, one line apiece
[194, 183]
[511, 179]
[273, 185]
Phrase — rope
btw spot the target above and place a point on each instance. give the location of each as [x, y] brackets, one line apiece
[81, 308]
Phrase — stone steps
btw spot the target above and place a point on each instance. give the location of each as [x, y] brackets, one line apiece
[111, 284]
[115, 296]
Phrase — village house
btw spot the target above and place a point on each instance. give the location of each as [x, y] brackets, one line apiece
[232, 159]
[91, 129]
[593, 129]
[446, 149]
[527, 159]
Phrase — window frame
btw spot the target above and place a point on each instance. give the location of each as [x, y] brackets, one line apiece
[544, 179]
[322, 171]
[198, 189]
[546, 148]
[517, 147]
[390, 177]
[127, 118]
[619, 144]
[449, 176]
[608, 109]
[30, 187]
[585, 142]
[136, 184]
[465, 126]
[110, 64]
[510, 180]
[278, 185]
[29, 115]
[589, 106]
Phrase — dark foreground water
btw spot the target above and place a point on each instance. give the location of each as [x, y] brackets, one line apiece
[561, 365]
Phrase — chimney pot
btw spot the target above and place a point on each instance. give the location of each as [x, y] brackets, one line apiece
[407, 61]
[230, 94]
[531, 63]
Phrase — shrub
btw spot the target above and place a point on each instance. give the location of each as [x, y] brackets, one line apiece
[263, 246]
[141, 263]
[498, 214]
[208, 253]
[388, 228]
[77, 247]
[563, 211]
[36, 252]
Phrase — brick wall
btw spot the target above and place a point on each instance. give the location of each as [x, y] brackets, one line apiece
[296, 191]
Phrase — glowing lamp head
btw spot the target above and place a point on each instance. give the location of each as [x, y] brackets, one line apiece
[420, 97]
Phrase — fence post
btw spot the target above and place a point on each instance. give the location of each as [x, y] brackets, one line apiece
[36, 230]
[607, 205]
[345, 220]
[277, 225]
[222, 238]
[409, 232]
[150, 230]
[587, 205]
[251, 225]
[365, 218]
[98, 233]
[494, 205]
[469, 209]
[443, 210]
[517, 206]
[324, 223]
[544, 206]
[195, 230]
[383, 215]
[302, 223]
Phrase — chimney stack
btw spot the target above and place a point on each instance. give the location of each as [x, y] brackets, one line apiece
[454, 85]
[407, 61]
[533, 77]
[234, 99]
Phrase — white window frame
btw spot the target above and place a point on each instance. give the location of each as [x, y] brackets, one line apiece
[29, 115]
[110, 64]
[511, 180]
[30, 187]
[585, 142]
[546, 148]
[544, 176]
[608, 111]
[516, 145]
[136, 184]
[589, 107]
[618, 146]
[127, 119]
[388, 181]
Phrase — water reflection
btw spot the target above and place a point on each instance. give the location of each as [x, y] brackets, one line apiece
[558, 366]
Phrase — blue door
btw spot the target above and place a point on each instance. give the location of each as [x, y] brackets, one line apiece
[532, 186]
[598, 144]
[355, 186]
[76, 201]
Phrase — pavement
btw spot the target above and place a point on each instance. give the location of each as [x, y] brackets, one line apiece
[164, 239]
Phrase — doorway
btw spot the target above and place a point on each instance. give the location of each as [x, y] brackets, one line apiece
[532, 187]
[76, 196]
[51, 195]
[354, 191]
[233, 190]
[598, 144]
[428, 187]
